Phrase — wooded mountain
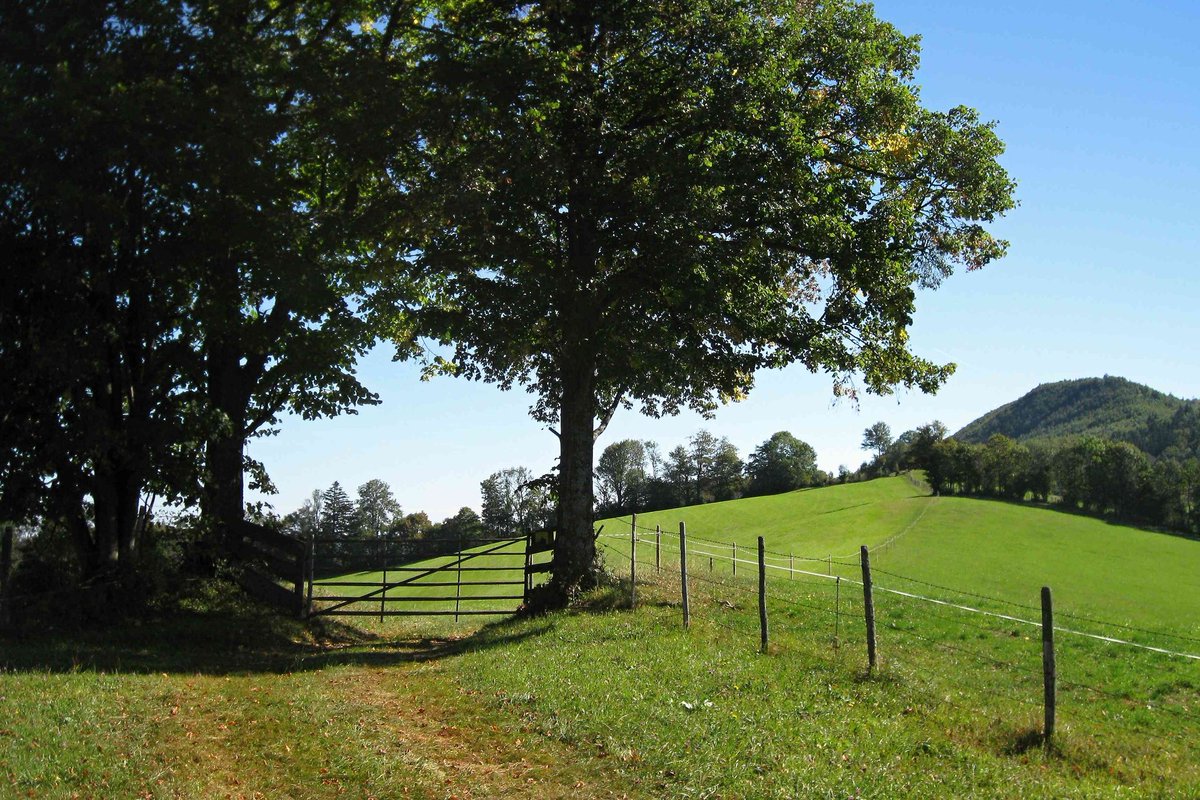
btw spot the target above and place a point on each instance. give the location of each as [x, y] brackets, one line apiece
[1108, 407]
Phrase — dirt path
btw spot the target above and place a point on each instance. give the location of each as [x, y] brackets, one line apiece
[401, 730]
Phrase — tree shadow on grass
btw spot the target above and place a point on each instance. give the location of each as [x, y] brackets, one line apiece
[238, 637]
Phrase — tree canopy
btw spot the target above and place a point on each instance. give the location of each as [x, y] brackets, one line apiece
[178, 226]
[642, 204]
[781, 464]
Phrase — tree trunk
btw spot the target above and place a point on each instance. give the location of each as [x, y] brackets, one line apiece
[226, 487]
[225, 491]
[575, 547]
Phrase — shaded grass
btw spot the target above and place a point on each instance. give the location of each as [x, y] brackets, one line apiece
[227, 701]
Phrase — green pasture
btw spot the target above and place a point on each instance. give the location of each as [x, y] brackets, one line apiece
[816, 523]
[220, 698]
[945, 547]
[484, 564]
[953, 710]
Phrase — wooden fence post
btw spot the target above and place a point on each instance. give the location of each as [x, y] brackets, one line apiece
[762, 591]
[458, 578]
[6, 548]
[687, 617]
[1048, 666]
[383, 569]
[632, 560]
[734, 562]
[658, 548]
[868, 607]
[837, 612]
[791, 567]
[311, 569]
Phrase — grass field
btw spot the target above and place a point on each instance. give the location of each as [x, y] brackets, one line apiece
[219, 699]
[1002, 550]
[492, 578]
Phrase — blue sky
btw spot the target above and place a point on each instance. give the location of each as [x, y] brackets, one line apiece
[1098, 104]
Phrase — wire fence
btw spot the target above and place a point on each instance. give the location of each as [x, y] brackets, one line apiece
[949, 641]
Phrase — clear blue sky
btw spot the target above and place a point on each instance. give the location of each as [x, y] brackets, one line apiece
[1099, 105]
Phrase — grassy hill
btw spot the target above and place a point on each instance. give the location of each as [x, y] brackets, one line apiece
[1109, 407]
[1002, 550]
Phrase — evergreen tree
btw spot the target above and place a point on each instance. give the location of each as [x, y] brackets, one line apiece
[337, 513]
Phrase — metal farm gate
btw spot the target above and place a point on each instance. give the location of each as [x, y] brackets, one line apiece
[392, 577]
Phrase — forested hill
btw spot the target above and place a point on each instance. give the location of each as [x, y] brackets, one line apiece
[1111, 408]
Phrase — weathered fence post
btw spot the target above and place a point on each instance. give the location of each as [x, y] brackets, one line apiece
[658, 548]
[762, 591]
[837, 612]
[300, 576]
[868, 607]
[311, 569]
[458, 578]
[383, 569]
[734, 562]
[829, 565]
[687, 616]
[632, 560]
[1048, 666]
[6, 548]
[791, 567]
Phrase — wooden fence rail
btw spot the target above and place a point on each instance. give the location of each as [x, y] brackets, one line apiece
[268, 558]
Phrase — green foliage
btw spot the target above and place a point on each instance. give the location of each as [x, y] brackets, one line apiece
[514, 503]
[878, 437]
[1099, 476]
[377, 511]
[621, 476]
[338, 517]
[180, 266]
[781, 464]
[749, 184]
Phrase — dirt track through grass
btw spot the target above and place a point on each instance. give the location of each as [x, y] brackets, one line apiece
[379, 718]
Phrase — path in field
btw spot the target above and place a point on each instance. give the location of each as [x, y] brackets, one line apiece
[373, 720]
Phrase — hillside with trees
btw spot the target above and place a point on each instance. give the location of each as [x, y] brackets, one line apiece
[1108, 408]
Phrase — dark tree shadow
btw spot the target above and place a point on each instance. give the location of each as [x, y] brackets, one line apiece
[239, 638]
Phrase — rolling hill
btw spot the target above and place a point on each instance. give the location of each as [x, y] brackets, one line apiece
[1108, 407]
[1003, 550]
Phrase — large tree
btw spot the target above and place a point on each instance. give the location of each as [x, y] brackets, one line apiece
[781, 464]
[644, 203]
[877, 438]
[178, 203]
[621, 474]
[279, 218]
[377, 510]
[95, 167]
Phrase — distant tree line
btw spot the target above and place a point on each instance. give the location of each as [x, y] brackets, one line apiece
[1094, 475]
[1098, 476]
[633, 475]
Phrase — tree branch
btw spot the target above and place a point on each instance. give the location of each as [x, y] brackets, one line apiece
[607, 416]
